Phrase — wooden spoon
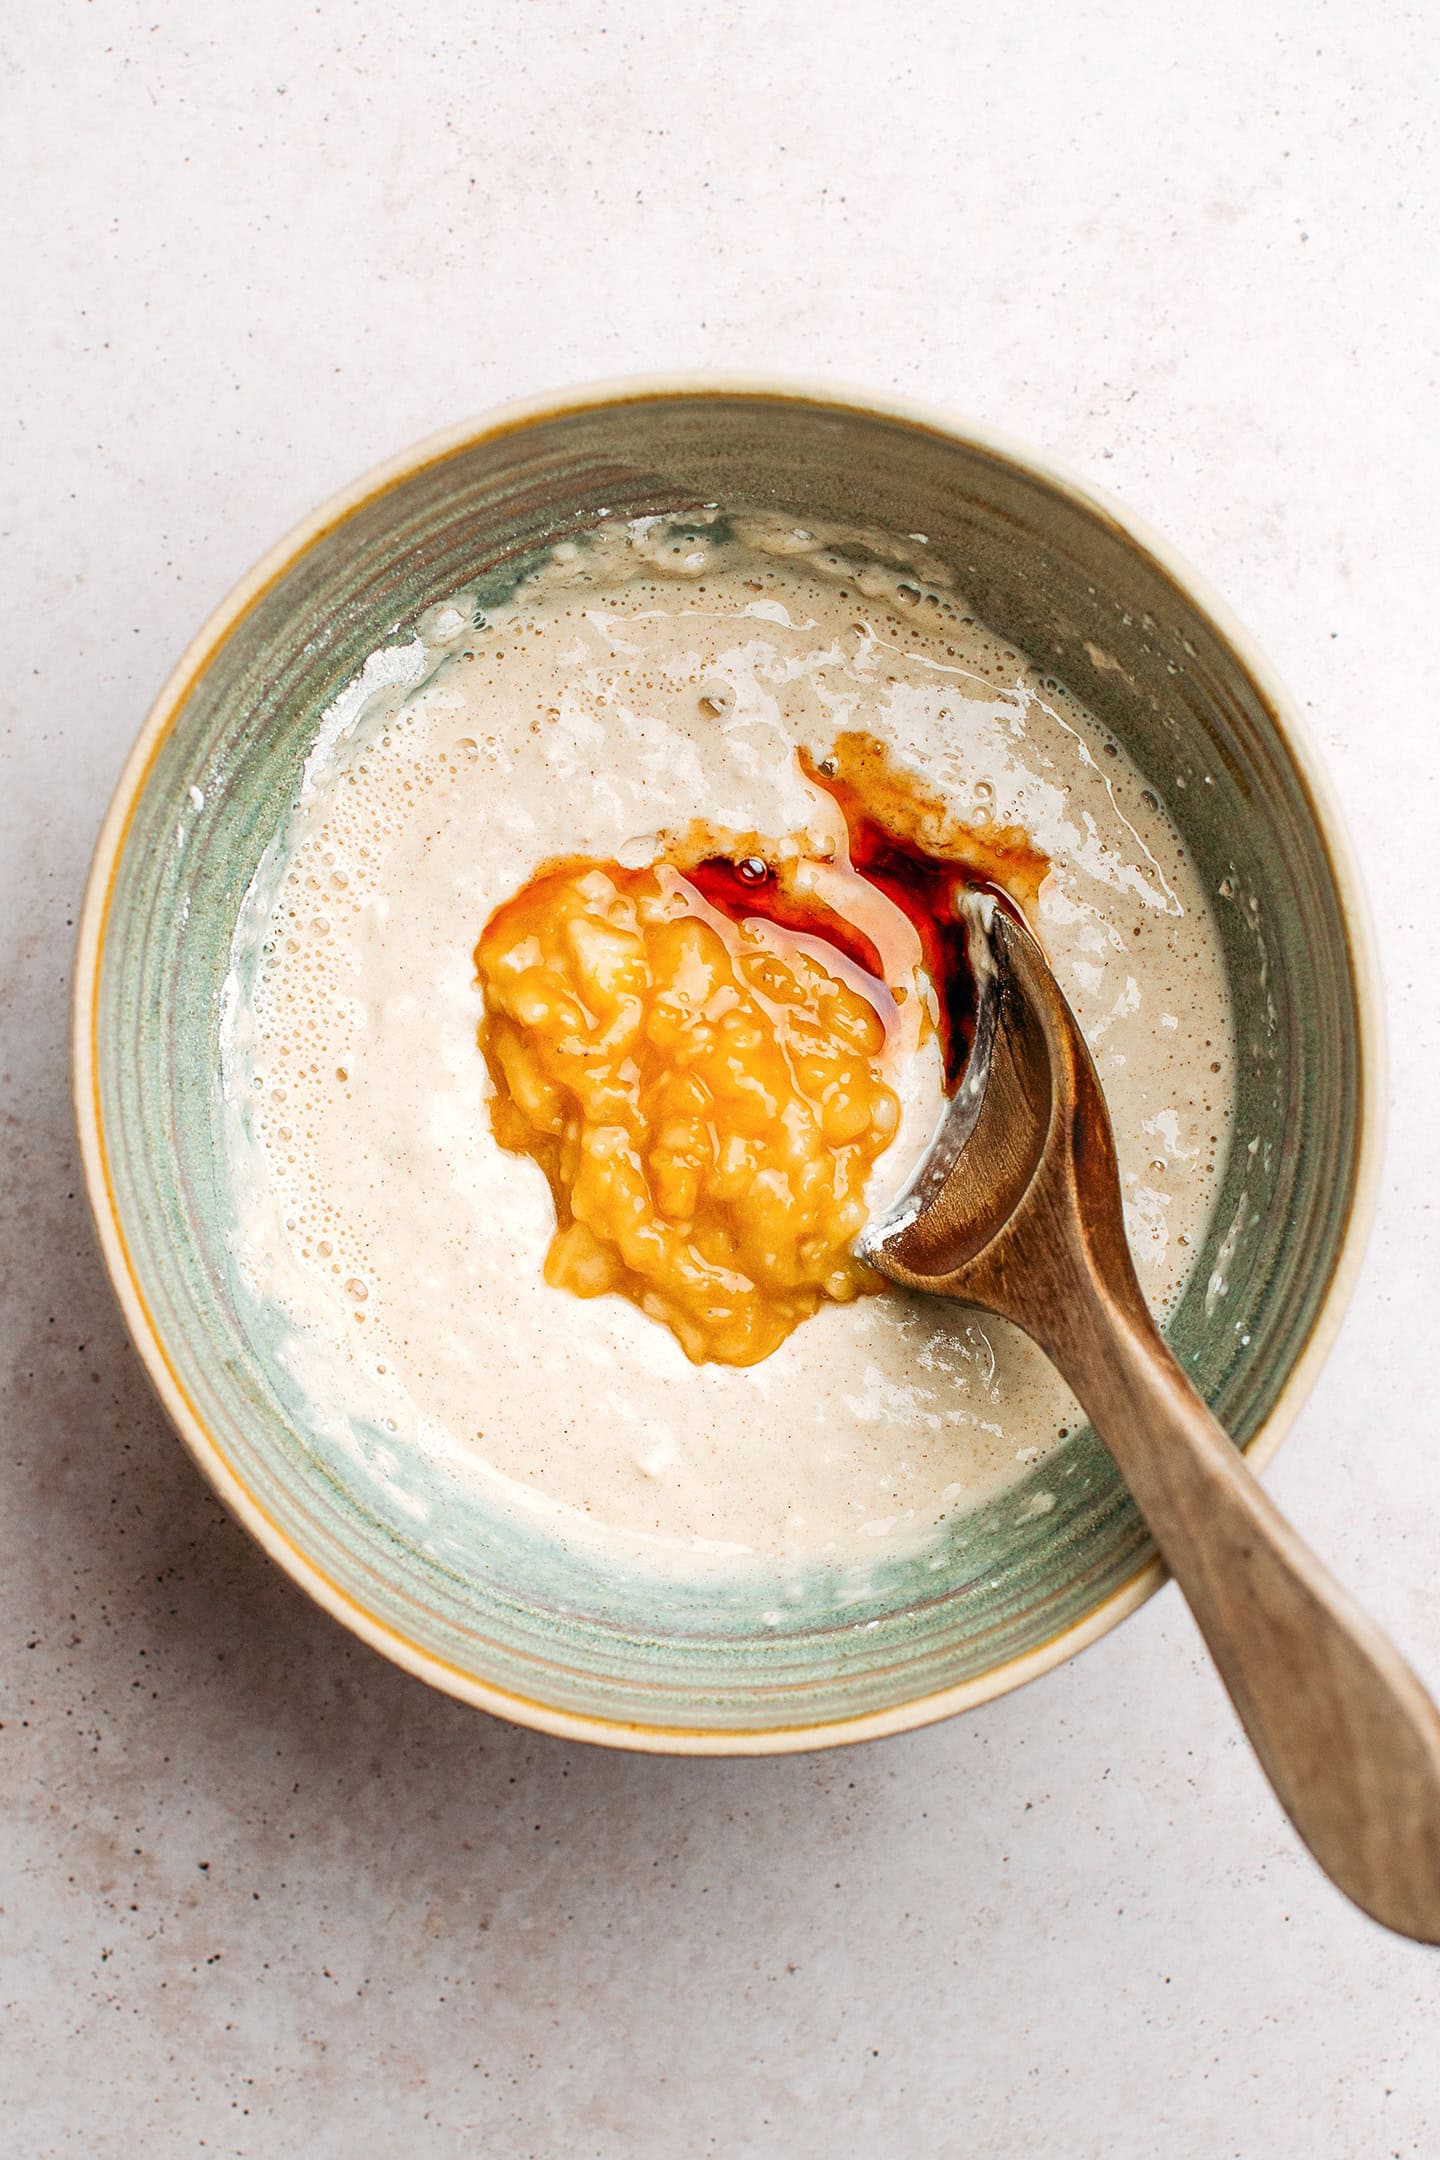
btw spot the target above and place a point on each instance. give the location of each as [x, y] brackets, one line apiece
[1017, 1209]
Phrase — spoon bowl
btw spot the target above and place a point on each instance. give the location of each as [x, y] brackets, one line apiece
[992, 1140]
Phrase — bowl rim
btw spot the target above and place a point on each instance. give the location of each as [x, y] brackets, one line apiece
[509, 418]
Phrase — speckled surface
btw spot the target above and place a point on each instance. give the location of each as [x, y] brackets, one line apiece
[264, 1895]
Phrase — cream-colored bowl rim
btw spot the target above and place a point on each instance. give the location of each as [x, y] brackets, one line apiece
[507, 419]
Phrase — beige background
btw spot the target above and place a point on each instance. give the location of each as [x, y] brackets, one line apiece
[264, 1896]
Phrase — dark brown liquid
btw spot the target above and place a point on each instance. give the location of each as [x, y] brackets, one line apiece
[739, 893]
[926, 888]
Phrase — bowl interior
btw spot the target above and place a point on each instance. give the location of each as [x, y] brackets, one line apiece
[475, 1598]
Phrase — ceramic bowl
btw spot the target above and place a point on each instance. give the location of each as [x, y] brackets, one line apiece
[503, 1618]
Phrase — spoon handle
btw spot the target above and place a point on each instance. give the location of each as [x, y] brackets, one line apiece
[1348, 1736]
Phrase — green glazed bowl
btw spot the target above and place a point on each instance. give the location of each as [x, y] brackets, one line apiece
[509, 1619]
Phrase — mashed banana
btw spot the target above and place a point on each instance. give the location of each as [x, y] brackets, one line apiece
[704, 1098]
